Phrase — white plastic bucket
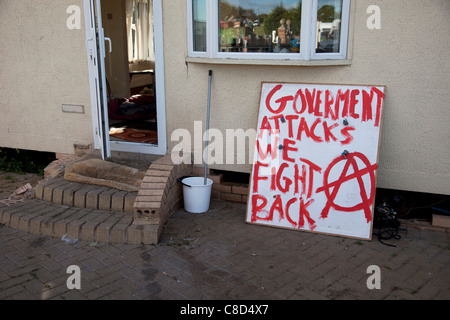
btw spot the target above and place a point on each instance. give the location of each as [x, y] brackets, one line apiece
[196, 194]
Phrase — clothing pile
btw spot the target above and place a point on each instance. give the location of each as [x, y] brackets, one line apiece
[140, 106]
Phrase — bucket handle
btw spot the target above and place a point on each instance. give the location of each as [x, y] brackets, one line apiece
[181, 181]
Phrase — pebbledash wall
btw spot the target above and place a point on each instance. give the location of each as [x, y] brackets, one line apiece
[44, 65]
[409, 54]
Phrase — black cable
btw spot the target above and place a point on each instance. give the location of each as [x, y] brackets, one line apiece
[387, 224]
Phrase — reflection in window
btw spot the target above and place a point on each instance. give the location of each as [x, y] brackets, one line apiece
[329, 14]
[260, 26]
[199, 25]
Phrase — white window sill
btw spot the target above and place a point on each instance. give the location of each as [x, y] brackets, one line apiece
[271, 62]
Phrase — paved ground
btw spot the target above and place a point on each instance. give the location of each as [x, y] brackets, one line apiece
[217, 256]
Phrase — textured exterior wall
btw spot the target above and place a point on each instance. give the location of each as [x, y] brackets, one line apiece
[409, 54]
[43, 65]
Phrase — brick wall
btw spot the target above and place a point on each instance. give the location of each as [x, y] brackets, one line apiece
[224, 190]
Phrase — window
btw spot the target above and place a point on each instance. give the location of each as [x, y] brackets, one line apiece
[139, 21]
[199, 24]
[268, 29]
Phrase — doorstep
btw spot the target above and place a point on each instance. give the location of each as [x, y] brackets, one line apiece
[94, 213]
[55, 220]
[80, 195]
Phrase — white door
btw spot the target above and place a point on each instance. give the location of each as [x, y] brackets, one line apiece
[96, 56]
[95, 43]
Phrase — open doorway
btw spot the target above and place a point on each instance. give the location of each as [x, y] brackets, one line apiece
[130, 71]
[126, 70]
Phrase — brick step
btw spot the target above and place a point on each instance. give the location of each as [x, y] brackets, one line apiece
[54, 220]
[79, 195]
[96, 213]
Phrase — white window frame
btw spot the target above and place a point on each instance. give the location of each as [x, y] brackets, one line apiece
[307, 36]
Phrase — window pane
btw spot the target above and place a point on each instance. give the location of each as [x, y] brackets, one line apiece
[199, 27]
[260, 26]
[329, 14]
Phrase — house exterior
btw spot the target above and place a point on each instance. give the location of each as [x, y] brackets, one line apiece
[48, 92]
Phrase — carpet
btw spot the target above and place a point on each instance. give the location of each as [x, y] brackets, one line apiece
[134, 135]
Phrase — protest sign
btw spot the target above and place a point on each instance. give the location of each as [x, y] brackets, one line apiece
[316, 158]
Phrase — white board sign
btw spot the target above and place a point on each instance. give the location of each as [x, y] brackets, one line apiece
[316, 158]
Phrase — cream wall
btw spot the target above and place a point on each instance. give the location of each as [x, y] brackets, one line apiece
[43, 65]
[410, 55]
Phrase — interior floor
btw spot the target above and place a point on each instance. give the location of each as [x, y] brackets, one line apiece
[133, 119]
[130, 71]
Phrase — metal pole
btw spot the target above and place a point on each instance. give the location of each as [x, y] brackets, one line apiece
[207, 126]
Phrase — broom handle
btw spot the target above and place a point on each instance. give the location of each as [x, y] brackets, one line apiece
[207, 126]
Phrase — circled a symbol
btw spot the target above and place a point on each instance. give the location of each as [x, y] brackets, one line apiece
[331, 189]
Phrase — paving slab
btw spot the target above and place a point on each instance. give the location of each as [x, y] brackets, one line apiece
[210, 256]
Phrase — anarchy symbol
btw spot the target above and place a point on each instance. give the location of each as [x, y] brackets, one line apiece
[331, 189]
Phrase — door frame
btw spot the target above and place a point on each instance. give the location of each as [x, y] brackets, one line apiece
[97, 78]
[93, 45]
